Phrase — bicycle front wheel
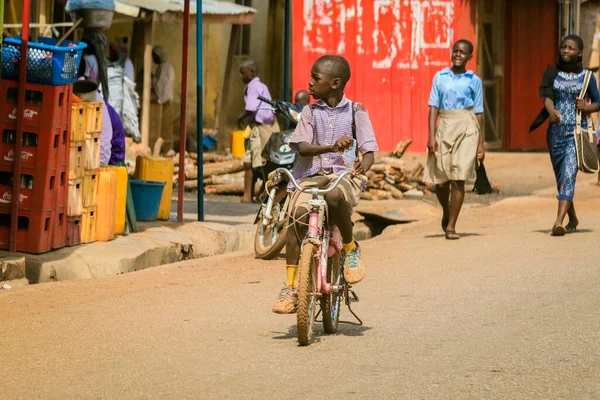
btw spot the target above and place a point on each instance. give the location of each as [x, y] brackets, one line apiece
[270, 240]
[330, 302]
[307, 288]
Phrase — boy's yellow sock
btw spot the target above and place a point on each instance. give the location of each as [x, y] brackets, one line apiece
[348, 247]
[292, 275]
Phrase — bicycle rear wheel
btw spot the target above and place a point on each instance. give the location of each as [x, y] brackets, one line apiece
[330, 303]
[307, 288]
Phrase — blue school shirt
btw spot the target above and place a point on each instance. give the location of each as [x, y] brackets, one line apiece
[456, 92]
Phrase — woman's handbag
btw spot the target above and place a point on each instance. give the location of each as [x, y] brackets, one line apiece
[482, 183]
[585, 140]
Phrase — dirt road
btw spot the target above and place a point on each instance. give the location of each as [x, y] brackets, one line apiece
[506, 312]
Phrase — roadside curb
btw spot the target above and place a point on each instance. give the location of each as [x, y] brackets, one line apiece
[158, 244]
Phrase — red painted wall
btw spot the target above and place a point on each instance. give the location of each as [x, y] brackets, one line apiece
[394, 47]
[532, 35]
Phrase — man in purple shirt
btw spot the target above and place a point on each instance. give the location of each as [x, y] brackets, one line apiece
[261, 121]
[324, 131]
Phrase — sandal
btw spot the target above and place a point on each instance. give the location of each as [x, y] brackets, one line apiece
[558, 230]
[571, 228]
[445, 222]
[452, 235]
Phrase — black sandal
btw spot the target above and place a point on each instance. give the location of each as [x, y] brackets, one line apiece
[571, 228]
[452, 235]
[445, 222]
[558, 230]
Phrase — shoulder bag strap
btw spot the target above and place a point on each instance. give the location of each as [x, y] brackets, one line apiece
[586, 82]
[354, 105]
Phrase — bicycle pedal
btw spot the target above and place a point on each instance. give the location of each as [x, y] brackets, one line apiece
[354, 297]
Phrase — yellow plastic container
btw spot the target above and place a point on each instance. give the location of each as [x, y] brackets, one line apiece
[76, 159]
[93, 117]
[78, 122]
[158, 169]
[88, 224]
[121, 198]
[238, 150]
[92, 150]
[75, 203]
[90, 188]
[105, 215]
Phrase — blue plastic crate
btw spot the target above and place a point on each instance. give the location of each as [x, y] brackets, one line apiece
[46, 63]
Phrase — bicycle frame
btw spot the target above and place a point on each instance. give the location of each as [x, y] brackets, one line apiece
[326, 245]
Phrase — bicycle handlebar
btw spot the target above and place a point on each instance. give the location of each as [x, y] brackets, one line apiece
[268, 101]
[313, 190]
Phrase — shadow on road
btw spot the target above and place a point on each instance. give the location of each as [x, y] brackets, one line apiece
[462, 235]
[343, 330]
[549, 231]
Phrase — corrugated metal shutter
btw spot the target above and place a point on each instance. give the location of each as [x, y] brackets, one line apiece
[532, 29]
[394, 47]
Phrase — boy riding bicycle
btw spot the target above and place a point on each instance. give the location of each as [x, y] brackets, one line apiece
[324, 131]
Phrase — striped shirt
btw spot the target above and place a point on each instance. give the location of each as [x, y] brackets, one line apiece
[323, 126]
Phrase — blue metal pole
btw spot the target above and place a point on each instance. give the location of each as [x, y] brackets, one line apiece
[199, 93]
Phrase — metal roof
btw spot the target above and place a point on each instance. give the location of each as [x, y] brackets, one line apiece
[209, 7]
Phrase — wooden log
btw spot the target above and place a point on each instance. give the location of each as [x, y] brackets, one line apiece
[210, 157]
[378, 168]
[401, 148]
[227, 178]
[418, 171]
[367, 196]
[396, 193]
[221, 168]
[189, 185]
[381, 194]
[235, 188]
[157, 146]
[191, 172]
[376, 185]
[405, 187]
[394, 163]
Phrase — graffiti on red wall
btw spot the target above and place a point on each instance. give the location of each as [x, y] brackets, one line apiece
[402, 34]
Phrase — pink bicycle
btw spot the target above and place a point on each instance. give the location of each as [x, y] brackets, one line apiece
[320, 273]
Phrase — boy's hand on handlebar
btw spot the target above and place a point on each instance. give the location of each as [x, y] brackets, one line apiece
[342, 144]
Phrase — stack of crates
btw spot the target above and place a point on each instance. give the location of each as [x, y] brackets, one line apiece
[44, 165]
[83, 172]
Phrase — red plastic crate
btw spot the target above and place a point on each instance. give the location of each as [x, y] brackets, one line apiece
[59, 228]
[73, 230]
[34, 231]
[63, 150]
[42, 148]
[62, 187]
[37, 192]
[45, 106]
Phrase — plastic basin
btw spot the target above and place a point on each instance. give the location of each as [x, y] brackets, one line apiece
[146, 198]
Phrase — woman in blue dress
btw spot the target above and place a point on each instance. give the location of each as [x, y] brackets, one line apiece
[560, 89]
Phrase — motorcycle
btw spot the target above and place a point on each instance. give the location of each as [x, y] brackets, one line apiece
[272, 218]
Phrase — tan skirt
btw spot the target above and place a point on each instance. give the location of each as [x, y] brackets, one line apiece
[457, 135]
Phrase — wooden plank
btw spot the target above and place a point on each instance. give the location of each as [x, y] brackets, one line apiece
[147, 94]
[242, 19]
[233, 40]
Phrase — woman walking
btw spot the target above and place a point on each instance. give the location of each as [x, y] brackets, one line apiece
[455, 141]
[560, 89]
